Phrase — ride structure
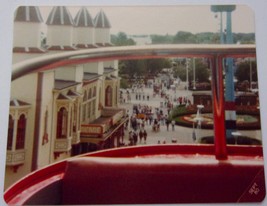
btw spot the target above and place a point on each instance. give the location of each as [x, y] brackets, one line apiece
[180, 173]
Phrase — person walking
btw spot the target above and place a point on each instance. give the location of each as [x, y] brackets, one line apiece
[145, 136]
[167, 121]
[141, 135]
[173, 124]
[135, 138]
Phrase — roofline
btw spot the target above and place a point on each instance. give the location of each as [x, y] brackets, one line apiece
[53, 61]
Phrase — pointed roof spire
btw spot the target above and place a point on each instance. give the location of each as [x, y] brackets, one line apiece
[59, 15]
[101, 20]
[28, 14]
[83, 18]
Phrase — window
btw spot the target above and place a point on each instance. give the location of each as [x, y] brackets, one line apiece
[94, 91]
[94, 108]
[62, 123]
[21, 130]
[84, 112]
[10, 133]
[108, 97]
[85, 96]
[89, 110]
[90, 94]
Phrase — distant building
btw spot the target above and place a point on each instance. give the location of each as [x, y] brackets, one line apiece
[141, 39]
[67, 111]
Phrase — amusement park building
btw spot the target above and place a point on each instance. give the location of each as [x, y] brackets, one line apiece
[55, 114]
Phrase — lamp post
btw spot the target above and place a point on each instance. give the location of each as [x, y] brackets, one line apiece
[187, 83]
[236, 135]
[198, 116]
[250, 73]
[194, 73]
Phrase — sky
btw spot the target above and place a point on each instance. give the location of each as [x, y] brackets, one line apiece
[163, 20]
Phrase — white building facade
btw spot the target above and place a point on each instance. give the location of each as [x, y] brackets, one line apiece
[66, 111]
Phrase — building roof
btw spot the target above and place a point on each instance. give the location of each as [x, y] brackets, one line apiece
[83, 18]
[90, 76]
[61, 48]
[60, 15]
[17, 103]
[74, 93]
[28, 14]
[64, 97]
[104, 44]
[109, 70]
[28, 50]
[101, 20]
[86, 46]
[62, 84]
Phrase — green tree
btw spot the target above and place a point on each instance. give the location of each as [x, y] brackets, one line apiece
[121, 39]
[162, 39]
[243, 71]
[143, 67]
[202, 72]
[154, 66]
[183, 37]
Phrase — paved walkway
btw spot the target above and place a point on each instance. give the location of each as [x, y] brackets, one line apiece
[180, 134]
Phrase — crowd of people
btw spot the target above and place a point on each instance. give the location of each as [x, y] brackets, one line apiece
[145, 119]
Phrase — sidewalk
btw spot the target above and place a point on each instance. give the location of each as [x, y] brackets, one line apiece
[181, 134]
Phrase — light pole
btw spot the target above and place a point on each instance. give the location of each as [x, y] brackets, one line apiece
[250, 73]
[187, 84]
[236, 135]
[194, 73]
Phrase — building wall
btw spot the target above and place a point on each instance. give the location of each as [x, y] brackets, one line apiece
[27, 94]
[45, 153]
[71, 73]
[25, 88]
[94, 67]
[59, 35]
[27, 34]
[84, 35]
[102, 35]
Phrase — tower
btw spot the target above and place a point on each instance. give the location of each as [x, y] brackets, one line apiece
[102, 29]
[27, 37]
[84, 31]
[60, 29]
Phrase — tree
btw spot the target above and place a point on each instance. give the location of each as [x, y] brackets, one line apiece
[243, 71]
[143, 67]
[183, 37]
[121, 39]
[161, 39]
[202, 71]
[154, 66]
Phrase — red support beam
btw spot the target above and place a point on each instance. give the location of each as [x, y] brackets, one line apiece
[218, 108]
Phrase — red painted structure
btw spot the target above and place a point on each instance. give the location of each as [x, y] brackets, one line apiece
[150, 174]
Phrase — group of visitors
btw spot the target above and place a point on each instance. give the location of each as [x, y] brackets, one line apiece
[135, 135]
[145, 118]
